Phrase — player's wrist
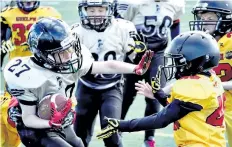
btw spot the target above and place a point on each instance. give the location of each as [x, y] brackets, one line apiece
[53, 125]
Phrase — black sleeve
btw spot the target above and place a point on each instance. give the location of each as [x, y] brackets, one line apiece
[5, 30]
[161, 96]
[5, 35]
[171, 113]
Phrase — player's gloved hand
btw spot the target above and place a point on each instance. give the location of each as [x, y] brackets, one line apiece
[139, 40]
[7, 46]
[155, 81]
[140, 46]
[59, 116]
[14, 112]
[110, 129]
[69, 119]
[144, 63]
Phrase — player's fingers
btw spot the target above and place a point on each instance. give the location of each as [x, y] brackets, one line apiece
[139, 85]
[148, 86]
[139, 89]
[142, 83]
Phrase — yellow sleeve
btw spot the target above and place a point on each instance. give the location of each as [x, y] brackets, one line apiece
[196, 91]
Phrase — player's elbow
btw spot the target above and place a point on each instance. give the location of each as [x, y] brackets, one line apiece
[27, 120]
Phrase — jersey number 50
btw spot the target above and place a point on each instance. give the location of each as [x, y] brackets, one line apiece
[151, 29]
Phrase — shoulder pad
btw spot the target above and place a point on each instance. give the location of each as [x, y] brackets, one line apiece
[192, 89]
[124, 24]
[7, 9]
[30, 76]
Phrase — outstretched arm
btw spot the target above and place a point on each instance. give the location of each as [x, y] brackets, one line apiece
[171, 113]
[119, 67]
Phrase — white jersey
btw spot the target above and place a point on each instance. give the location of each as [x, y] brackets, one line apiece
[30, 82]
[153, 19]
[112, 44]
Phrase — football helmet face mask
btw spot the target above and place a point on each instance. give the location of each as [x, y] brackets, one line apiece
[96, 14]
[212, 16]
[190, 53]
[28, 5]
[54, 47]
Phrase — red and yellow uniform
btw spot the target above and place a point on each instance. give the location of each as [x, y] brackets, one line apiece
[196, 106]
[224, 71]
[19, 23]
[203, 128]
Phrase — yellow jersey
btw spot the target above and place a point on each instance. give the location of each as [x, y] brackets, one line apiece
[203, 128]
[20, 23]
[224, 69]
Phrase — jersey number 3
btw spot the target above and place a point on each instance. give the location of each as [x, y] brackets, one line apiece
[217, 117]
[20, 69]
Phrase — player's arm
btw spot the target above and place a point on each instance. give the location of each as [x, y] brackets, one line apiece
[161, 95]
[29, 116]
[6, 44]
[28, 102]
[171, 113]
[119, 67]
[175, 28]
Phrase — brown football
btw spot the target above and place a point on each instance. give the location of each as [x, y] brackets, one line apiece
[44, 109]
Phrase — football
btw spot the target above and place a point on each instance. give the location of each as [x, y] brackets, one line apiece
[44, 109]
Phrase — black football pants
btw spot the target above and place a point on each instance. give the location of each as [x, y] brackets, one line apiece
[45, 138]
[129, 92]
[89, 101]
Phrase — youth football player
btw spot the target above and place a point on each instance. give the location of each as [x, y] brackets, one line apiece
[196, 102]
[58, 61]
[154, 20]
[215, 17]
[107, 38]
[15, 24]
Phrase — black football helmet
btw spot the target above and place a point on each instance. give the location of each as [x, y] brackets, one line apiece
[190, 53]
[91, 22]
[54, 46]
[28, 5]
[223, 10]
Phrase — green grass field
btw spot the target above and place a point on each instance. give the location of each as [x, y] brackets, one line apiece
[164, 137]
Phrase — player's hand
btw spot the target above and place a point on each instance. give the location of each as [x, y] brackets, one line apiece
[69, 119]
[59, 116]
[144, 63]
[110, 129]
[139, 40]
[139, 47]
[7, 46]
[155, 81]
[144, 89]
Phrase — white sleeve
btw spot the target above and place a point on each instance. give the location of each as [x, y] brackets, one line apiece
[87, 61]
[179, 9]
[21, 93]
[127, 12]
